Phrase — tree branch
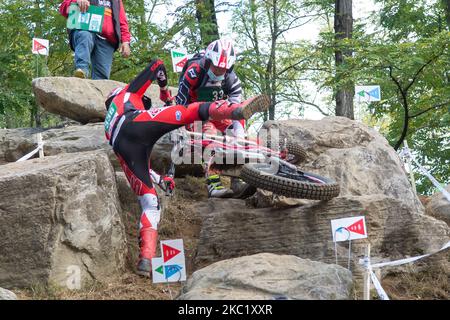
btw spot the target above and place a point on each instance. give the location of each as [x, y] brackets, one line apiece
[416, 75]
[405, 107]
[437, 106]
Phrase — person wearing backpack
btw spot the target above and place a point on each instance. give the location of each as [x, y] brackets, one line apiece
[95, 50]
[208, 76]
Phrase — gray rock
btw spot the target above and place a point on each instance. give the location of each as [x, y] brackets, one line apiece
[82, 100]
[59, 218]
[78, 99]
[356, 156]
[267, 199]
[268, 276]
[7, 295]
[230, 229]
[15, 143]
[439, 206]
[373, 184]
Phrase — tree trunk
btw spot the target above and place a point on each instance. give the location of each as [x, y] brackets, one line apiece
[271, 65]
[207, 21]
[405, 121]
[343, 28]
[446, 4]
[142, 26]
[262, 77]
[35, 118]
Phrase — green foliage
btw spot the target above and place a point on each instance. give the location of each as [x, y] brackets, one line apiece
[415, 86]
[20, 22]
[406, 19]
[407, 54]
[267, 61]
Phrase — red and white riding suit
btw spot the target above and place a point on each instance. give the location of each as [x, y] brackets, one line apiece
[132, 131]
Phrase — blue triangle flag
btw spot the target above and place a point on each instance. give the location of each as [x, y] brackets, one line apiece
[171, 270]
[375, 93]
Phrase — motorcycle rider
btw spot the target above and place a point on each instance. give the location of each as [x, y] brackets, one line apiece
[209, 76]
[132, 129]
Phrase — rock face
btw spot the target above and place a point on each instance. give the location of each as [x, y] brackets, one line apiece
[266, 199]
[439, 207]
[357, 156]
[268, 276]
[230, 229]
[82, 100]
[7, 295]
[59, 218]
[373, 184]
[78, 99]
[15, 143]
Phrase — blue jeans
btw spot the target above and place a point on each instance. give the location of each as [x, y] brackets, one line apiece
[91, 50]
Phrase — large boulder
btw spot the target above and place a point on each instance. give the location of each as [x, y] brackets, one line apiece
[60, 219]
[373, 184]
[15, 143]
[356, 156]
[82, 100]
[268, 276]
[439, 206]
[78, 99]
[230, 229]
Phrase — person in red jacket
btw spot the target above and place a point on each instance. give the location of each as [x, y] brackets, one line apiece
[96, 50]
[132, 129]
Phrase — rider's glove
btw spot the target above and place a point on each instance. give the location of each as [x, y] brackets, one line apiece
[168, 182]
[166, 96]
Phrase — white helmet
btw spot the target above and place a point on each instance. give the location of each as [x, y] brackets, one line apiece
[221, 53]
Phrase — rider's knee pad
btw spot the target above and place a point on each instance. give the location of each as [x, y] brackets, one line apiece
[150, 210]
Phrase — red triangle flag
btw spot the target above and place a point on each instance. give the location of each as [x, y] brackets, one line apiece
[181, 63]
[357, 227]
[169, 252]
[38, 46]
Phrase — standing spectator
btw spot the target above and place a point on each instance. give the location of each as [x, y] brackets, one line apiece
[96, 50]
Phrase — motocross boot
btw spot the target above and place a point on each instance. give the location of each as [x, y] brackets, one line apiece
[241, 190]
[216, 189]
[147, 242]
[222, 109]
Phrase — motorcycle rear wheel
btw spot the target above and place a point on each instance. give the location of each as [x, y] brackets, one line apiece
[299, 184]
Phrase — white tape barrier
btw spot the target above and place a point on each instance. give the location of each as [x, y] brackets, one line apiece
[29, 155]
[381, 293]
[408, 260]
[407, 153]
